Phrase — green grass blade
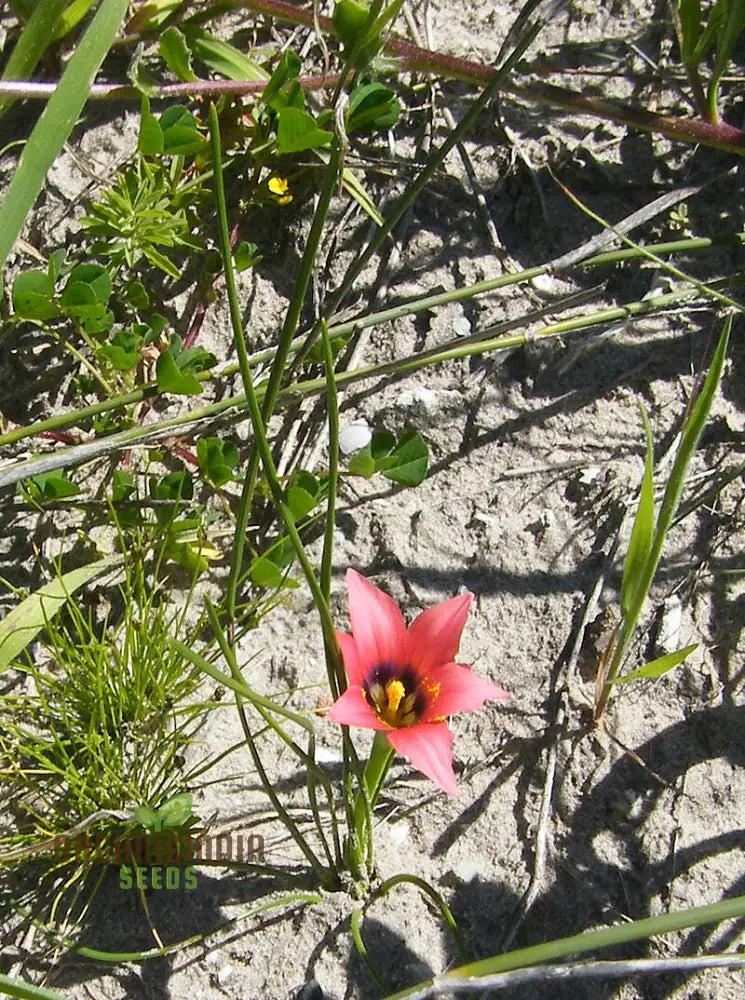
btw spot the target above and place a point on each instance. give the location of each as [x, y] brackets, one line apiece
[656, 668]
[31, 45]
[642, 533]
[577, 944]
[24, 622]
[727, 36]
[72, 17]
[15, 988]
[692, 430]
[116, 957]
[355, 926]
[435, 897]
[57, 121]
[690, 25]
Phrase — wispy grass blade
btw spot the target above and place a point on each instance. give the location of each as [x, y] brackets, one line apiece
[79, 453]
[332, 403]
[98, 955]
[434, 896]
[57, 121]
[524, 37]
[691, 435]
[314, 774]
[413, 307]
[21, 625]
[265, 707]
[671, 269]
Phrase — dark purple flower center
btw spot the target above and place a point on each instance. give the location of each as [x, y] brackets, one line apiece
[397, 695]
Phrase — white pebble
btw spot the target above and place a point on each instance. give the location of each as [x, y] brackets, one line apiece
[660, 284]
[466, 870]
[544, 283]
[462, 326]
[671, 620]
[419, 394]
[224, 974]
[399, 832]
[589, 475]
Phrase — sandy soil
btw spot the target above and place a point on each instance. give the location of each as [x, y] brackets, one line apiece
[536, 456]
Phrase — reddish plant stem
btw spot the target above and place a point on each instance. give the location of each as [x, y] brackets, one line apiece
[412, 58]
[31, 90]
[63, 437]
[720, 135]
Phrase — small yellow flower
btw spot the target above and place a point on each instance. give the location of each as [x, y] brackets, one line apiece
[279, 187]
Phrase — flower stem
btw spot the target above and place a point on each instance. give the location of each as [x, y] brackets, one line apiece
[284, 346]
[381, 755]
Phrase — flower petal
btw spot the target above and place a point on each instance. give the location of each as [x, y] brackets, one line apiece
[352, 666]
[378, 627]
[352, 709]
[427, 747]
[461, 690]
[434, 635]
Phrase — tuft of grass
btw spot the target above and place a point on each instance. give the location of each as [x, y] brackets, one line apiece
[110, 712]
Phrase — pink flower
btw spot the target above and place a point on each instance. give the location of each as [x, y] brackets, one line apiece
[404, 681]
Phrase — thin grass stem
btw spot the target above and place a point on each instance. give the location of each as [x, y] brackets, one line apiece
[607, 937]
[313, 771]
[411, 308]
[123, 440]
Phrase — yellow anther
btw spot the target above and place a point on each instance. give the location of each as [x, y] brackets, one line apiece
[395, 692]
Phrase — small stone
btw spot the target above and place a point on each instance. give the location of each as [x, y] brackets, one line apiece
[462, 326]
[671, 620]
[224, 974]
[399, 832]
[589, 475]
[419, 395]
[661, 284]
[466, 870]
[544, 283]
